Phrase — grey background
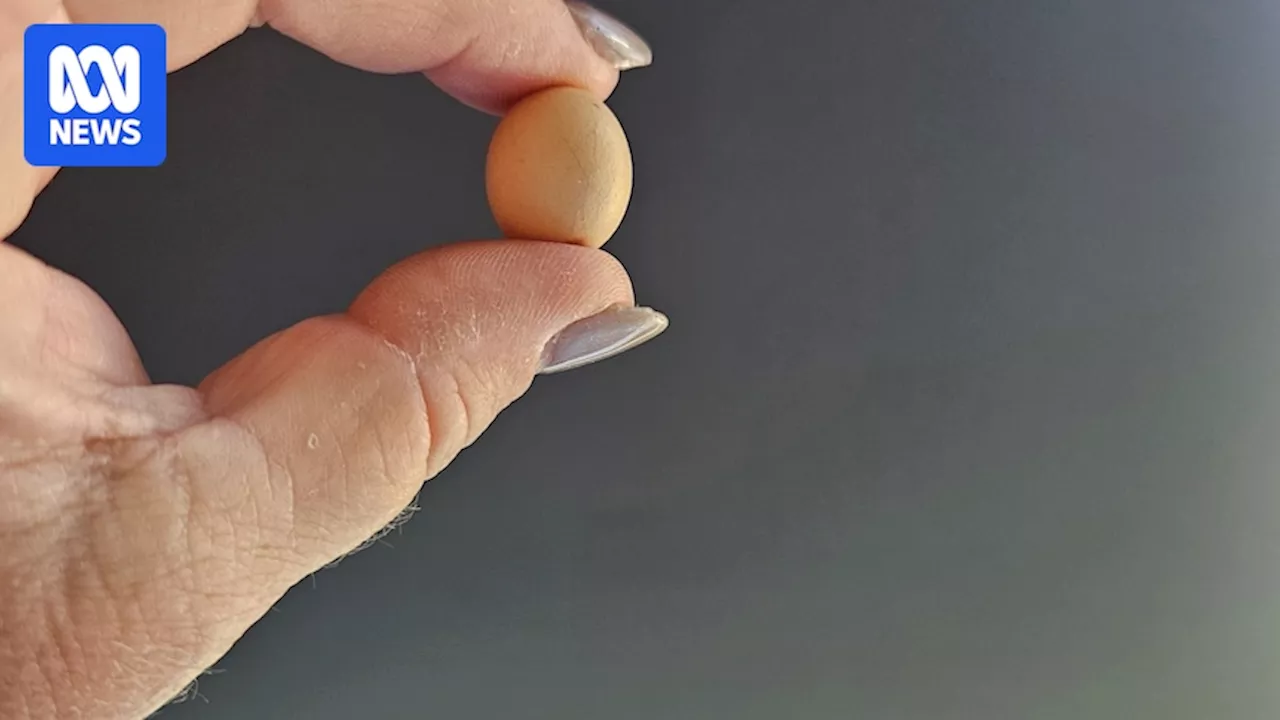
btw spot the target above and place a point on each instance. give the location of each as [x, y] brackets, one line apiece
[968, 408]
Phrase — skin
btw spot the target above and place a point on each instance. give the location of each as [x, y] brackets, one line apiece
[144, 528]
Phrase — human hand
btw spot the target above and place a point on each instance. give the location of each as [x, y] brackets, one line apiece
[144, 528]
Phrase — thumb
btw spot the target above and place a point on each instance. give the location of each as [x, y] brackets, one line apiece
[309, 443]
[337, 421]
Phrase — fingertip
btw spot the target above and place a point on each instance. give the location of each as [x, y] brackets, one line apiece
[495, 95]
[480, 78]
[488, 55]
[534, 287]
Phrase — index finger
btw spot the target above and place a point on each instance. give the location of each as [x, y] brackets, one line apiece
[486, 53]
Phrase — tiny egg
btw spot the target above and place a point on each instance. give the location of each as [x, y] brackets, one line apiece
[559, 169]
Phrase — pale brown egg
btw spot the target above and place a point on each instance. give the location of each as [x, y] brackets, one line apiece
[559, 168]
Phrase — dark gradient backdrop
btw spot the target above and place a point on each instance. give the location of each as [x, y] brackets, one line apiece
[969, 408]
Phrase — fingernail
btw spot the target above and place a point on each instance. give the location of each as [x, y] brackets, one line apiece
[610, 37]
[601, 336]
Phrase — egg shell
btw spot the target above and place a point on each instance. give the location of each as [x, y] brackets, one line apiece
[559, 169]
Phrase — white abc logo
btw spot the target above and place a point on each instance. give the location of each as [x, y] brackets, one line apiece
[69, 86]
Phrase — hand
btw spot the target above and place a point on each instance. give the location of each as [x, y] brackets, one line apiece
[144, 528]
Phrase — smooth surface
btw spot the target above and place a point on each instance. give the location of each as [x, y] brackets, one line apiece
[968, 408]
[559, 169]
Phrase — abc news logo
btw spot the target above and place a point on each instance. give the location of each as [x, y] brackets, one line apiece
[121, 90]
[94, 95]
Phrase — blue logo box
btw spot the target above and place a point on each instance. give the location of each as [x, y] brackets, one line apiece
[94, 95]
